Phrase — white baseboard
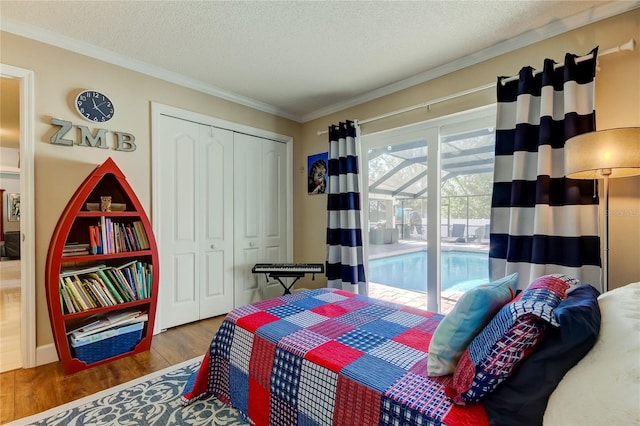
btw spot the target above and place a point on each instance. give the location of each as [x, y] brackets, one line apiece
[46, 354]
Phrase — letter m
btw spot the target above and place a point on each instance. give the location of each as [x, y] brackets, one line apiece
[87, 139]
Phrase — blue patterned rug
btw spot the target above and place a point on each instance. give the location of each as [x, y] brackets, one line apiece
[151, 400]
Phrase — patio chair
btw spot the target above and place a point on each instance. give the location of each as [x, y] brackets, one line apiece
[457, 234]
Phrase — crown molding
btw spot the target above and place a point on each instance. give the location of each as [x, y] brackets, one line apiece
[105, 55]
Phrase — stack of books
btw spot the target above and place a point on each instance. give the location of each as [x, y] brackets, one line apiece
[111, 237]
[75, 249]
[102, 286]
[100, 327]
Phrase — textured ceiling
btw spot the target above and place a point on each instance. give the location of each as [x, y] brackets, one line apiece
[297, 59]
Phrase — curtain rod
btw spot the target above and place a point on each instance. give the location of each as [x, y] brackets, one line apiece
[629, 45]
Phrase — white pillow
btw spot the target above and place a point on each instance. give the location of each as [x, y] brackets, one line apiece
[604, 387]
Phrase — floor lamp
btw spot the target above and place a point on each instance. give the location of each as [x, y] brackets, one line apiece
[603, 155]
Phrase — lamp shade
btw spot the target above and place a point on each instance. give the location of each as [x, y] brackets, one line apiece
[612, 152]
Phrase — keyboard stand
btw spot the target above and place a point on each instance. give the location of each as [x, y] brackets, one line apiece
[295, 274]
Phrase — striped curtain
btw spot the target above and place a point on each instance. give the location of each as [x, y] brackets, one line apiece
[542, 222]
[344, 267]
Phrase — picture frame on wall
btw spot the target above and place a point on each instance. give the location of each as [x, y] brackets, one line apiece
[317, 173]
[13, 207]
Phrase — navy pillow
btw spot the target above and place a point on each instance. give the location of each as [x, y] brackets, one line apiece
[522, 398]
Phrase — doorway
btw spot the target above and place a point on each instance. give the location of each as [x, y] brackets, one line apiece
[18, 273]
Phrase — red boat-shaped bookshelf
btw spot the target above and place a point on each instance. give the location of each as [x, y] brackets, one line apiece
[102, 273]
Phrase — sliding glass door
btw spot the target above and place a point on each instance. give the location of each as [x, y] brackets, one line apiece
[428, 186]
[466, 177]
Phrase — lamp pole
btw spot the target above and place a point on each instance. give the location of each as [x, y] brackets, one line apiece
[605, 261]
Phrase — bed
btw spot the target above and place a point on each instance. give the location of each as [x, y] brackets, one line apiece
[327, 356]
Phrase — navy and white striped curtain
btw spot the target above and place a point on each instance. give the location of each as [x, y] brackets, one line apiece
[344, 266]
[542, 222]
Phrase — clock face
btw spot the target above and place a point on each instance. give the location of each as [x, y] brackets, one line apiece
[94, 106]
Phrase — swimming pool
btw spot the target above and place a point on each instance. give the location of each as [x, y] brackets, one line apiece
[409, 271]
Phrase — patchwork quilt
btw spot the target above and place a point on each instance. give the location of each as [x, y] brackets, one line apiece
[328, 357]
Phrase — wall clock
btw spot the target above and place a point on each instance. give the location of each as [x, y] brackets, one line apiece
[94, 106]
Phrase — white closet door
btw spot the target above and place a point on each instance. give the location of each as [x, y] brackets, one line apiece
[274, 209]
[248, 208]
[260, 214]
[196, 237]
[216, 221]
[179, 247]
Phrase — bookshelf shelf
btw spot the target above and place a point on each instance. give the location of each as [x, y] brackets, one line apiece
[101, 264]
[97, 257]
[94, 311]
[109, 214]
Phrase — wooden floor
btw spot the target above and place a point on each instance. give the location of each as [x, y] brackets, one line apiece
[25, 392]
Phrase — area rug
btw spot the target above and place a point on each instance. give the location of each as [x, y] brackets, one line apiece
[150, 400]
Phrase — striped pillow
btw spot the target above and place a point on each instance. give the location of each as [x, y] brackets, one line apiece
[511, 335]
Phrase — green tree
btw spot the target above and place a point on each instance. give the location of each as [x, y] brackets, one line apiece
[474, 189]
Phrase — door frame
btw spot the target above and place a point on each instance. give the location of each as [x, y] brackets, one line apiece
[27, 212]
[157, 110]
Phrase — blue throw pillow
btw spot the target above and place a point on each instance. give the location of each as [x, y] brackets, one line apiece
[522, 398]
[469, 316]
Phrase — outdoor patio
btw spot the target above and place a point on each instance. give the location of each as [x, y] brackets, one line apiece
[411, 298]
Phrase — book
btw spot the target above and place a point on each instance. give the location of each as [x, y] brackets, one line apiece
[75, 249]
[69, 272]
[129, 277]
[136, 279]
[109, 235]
[105, 334]
[132, 238]
[75, 253]
[102, 288]
[75, 295]
[93, 298]
[123, 280]
[142, 282]
[122, 289]
[103, 235]
[68, 305]
[125, 237]
[94, 239]
[141, 234]
[110, 286]
[77, 283]
[149, 279]
[72, 299]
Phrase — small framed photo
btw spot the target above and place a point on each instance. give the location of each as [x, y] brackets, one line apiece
[317, 173]
[13, 207]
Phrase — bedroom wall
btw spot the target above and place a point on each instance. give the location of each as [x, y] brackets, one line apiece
[617, 105]
[59, 74]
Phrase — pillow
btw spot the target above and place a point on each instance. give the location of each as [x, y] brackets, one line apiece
[473, 311]
[510, 336]
[522, 398]
[604, 387]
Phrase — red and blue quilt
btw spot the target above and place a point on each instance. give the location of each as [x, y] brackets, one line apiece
[328, 357]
